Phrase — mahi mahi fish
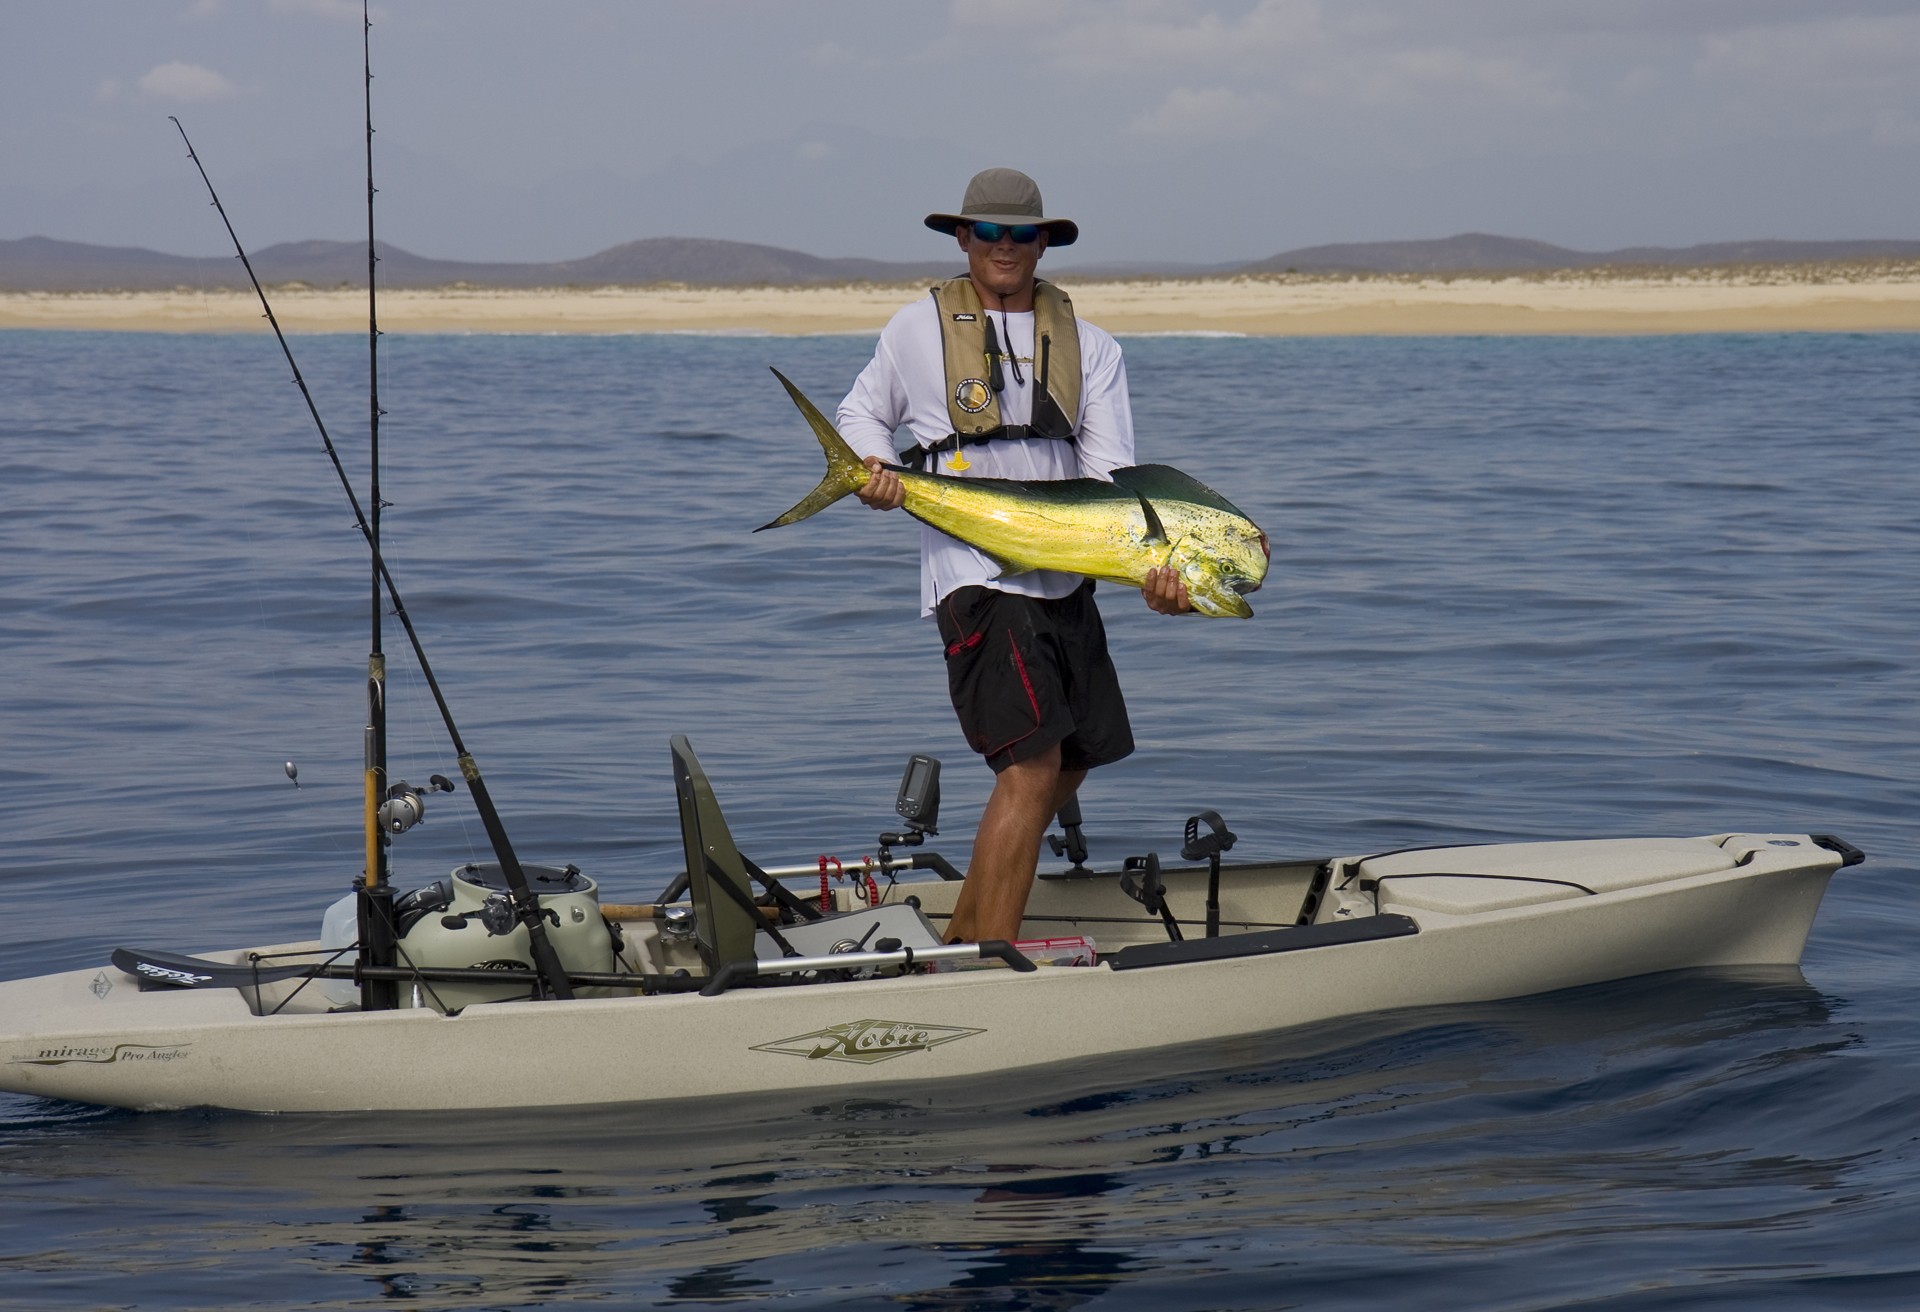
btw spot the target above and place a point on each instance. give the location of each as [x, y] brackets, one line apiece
[1148, 516]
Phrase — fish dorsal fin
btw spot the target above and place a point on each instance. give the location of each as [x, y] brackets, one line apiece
[1156, 532]
[1165, 483]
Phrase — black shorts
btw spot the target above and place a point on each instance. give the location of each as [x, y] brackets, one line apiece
[1026, 673]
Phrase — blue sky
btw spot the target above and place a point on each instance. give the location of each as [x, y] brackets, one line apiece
[1188, 130]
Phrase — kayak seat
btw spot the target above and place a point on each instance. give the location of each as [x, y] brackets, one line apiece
[1462, 881]
[717, 880]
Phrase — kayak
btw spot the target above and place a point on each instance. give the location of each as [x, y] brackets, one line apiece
[752, 982]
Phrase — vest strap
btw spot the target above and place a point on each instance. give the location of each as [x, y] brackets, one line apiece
[917, 456]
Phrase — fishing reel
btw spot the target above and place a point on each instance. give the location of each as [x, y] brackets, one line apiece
[405, 807]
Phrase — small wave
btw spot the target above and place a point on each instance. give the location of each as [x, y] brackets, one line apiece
[1185, 332]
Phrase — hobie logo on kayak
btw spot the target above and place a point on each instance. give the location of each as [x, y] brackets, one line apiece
[866, 1041]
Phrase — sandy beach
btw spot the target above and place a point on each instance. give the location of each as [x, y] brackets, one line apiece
[1823, 298]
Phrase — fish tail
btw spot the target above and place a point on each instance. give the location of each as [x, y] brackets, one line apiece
[846, 472]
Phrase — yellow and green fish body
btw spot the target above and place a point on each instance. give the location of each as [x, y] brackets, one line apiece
[1148, 516]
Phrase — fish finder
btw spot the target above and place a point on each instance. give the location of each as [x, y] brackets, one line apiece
[919, 800]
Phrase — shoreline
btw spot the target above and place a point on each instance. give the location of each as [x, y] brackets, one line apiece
[1787, 298]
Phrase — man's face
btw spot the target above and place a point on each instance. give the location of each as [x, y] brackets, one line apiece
[1005, 267]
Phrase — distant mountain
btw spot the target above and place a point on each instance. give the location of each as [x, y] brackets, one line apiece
[1479, 252]
[1091, 270]
[41, 264]
[705, 260]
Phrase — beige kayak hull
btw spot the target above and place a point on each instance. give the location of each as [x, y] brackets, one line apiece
[1488, 933]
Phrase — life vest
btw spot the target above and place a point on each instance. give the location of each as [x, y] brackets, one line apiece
[975, 373]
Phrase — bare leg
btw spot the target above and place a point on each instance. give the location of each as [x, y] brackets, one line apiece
[1070, 781]
[1006, 851]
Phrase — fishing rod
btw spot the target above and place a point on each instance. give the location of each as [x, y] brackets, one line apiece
[379, 937]
[521, 897]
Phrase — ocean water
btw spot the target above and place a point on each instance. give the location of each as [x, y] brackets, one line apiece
[1522, 588]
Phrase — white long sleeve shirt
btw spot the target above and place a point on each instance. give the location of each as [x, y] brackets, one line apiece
[905, 385]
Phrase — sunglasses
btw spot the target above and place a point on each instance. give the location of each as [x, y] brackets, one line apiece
[1023, 234]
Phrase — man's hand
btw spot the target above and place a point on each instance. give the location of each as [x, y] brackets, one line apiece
[884, 491]
[1165, 591]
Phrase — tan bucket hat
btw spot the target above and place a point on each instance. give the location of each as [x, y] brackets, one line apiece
[1005, 196]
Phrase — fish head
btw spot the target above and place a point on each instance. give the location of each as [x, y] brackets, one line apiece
[1221, 566]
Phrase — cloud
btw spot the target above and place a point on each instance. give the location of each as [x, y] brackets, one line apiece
[1834, 76]
[184, 83]
[1413, 76]
[829, 55]
[1215, 66]
[340, 9]
[1105, 37]
[1205, 114]
[1833, 53]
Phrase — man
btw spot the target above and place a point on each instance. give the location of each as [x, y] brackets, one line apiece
[995, 377]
